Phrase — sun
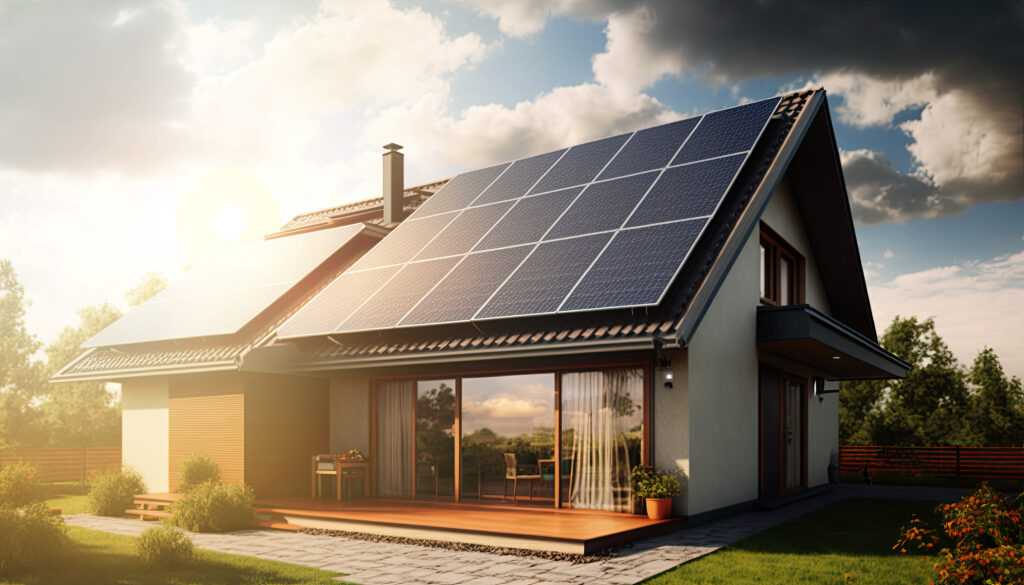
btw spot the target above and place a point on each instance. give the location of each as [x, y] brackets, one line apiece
[224, 207]
[229, 223]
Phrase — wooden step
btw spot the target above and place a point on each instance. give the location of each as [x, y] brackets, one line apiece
[275, 525]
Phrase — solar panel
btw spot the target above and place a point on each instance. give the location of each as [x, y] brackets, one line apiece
[227, 290]
[581, 164]
[529, 219]
[650, 149]
[727, 131]
[600, 225]
[602, 206]
[518, 178]
[636, 268]
[325, 312]
[394, 300]
[540, 284]
[464, 231]
[459, 192]
[691, 190]
[408, 239]
[461, 294]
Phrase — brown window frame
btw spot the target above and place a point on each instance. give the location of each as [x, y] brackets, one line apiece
[775, 249]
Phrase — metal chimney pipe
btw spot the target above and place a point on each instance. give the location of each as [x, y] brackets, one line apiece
[394, 184]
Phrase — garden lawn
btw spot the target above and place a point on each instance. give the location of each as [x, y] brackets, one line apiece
[70, 497]
[848, 542]
[98, 557]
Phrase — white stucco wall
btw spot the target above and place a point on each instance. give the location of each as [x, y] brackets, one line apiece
[350, 412]
[672, 423]
[723, 392]
[144, 430]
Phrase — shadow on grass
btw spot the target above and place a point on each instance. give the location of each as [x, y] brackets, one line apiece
[848, 542]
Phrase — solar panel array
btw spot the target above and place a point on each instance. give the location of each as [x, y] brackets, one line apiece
[224, 292]
[606, 224]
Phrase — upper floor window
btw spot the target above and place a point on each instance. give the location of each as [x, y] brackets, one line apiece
[782, 271]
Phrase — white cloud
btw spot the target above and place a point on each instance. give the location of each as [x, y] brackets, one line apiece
[869, 101]
[975, 305]
[888, 254]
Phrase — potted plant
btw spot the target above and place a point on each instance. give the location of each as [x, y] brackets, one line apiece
[657, 488]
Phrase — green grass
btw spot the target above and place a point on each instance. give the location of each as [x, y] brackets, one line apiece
[847, 542]
[69, 496]
[98, 557]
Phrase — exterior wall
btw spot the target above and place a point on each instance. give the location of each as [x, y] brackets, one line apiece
[671, 422]
[723, 391]
[783, 216]
[207, 415]
[285, 425]
[349, 412]
[144, 429]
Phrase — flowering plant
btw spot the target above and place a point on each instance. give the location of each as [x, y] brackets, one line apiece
[651, 482]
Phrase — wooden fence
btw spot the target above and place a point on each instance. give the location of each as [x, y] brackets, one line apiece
[967, 462]
[64, 463]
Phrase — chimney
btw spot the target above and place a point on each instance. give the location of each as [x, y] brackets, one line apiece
[394, 184]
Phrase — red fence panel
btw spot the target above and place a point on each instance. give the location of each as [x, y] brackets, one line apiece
[64, 463]
[968, 462]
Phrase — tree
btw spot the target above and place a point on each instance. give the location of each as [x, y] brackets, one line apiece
[19, 376]
[152, 283]
[996, 412]
[926, 408]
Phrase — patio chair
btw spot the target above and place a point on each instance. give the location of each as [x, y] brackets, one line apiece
[514, 473]
[349, 475]
[426, 467]
[326, 465]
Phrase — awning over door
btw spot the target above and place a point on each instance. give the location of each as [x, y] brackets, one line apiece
[802, 334]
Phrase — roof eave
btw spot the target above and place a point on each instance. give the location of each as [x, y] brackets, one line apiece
[148, 371]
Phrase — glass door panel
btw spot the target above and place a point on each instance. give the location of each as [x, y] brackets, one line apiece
[602, 437]
[394, 418]
[435, 439]
[508, 438]
[793, 433]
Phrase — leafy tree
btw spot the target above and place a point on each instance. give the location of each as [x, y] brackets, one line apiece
[19, 376]
[152, 283]
[996, 412]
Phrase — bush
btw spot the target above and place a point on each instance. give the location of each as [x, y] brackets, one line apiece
[113, 492]
[197, 469]
[164, 546]
[18, 486]
[984, 538]
[651, 482]
[214, 507]
[29, 537]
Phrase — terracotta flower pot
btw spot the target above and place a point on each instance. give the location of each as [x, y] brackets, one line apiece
[659, 508]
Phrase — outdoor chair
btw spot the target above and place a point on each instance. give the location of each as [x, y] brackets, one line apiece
[349, 475]
[515, 472]
[426, 467]
[326, 465]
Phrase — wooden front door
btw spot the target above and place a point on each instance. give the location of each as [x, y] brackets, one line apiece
[782, 436]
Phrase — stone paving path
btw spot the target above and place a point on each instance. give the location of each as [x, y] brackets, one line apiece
[379, 563]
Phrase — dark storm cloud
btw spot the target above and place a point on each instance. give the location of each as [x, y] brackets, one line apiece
[89, 85]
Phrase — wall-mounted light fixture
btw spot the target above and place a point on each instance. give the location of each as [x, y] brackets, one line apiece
[822, 386]
[664, 372]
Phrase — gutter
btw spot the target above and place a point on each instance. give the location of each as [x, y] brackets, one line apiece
[114, 375]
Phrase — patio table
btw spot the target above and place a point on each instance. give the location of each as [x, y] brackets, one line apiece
[341, 465]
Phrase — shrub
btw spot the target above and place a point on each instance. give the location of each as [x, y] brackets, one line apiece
[18, 486]
[29, 537]
[164, 546]
[214, 507]
[113, 492]
[984, 534]
[651, 482]
[197, 469]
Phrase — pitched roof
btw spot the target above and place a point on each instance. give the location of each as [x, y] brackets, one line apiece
[618, 327]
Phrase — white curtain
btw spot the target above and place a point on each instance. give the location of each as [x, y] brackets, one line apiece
[602, 418]
[394, 437]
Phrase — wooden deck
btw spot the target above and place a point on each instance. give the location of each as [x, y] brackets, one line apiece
[576, 531]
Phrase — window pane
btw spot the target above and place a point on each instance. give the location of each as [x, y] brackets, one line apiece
[764, 275]
[435, 441]
[602, 436]
[508, 415]
[785, 290]
[793, 429]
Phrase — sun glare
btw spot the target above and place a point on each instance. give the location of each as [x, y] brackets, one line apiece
[223, 207]
[229, 223]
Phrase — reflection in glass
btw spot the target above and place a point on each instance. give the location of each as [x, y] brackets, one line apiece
[602, 436]
[435, 441]
[508, 414]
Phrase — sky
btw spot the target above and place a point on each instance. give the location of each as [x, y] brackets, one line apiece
[138, 136]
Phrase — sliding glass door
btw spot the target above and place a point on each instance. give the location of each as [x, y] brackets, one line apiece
[394, 417]
[602, 437]
[435, 439]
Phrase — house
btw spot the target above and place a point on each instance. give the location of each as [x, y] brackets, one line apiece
[684, 296]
